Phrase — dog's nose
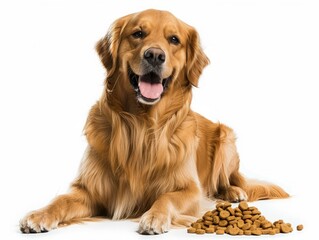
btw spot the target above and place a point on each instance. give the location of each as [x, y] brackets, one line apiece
[154, 56]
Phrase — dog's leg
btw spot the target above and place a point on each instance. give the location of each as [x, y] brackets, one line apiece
[227, 183]
[168, 207]
[64, 208]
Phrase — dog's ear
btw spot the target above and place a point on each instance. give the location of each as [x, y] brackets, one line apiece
[196, 60]
[107, 47]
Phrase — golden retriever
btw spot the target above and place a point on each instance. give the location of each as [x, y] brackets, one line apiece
[149, 155]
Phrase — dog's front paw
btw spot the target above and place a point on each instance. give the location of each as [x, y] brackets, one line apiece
[37, 222]
[154, 223]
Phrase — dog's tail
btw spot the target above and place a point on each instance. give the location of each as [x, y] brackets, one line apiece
[257, 190]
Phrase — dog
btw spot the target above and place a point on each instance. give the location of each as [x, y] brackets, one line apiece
[149, 156]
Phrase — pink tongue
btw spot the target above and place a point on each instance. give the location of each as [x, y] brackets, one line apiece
[151, 90]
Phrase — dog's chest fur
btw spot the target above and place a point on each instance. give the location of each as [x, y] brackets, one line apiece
[137, 155]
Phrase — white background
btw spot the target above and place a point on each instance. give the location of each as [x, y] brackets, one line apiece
[262, 81]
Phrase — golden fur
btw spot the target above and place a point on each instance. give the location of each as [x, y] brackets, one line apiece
[154, 160]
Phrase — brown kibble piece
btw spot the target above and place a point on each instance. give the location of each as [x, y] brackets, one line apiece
[227, 205]
[233, 230]
[257, 223]
[265, 231]
[255, 212]
[232, 222]
[243, 206]
[215, 219]
[231, 211]
[254, 218]
[191, 230]
[261, 218]
[208, 218]
[299, 227]
[247, 217]
[196, 225]
[284, 228]
[220, 231]
[240, 223]
[253, 227]
[266, 224]
[200, 231]
[207, 223]
[272, 232]
[210, 230]
[246, 226]
[248, 221]
[230, 218]
[224, 214]
[238, 214]
[256, 232]
[223, 223]
[208, 214]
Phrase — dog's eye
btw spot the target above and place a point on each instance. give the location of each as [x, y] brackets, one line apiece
[174, 40]
[138, 34]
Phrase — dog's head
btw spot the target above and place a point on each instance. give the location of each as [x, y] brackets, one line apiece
[148, 51]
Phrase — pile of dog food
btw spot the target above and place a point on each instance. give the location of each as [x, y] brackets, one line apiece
[242, 220]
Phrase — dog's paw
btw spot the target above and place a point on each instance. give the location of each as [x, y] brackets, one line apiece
[154, 223]
[38, 222]
[233, 194]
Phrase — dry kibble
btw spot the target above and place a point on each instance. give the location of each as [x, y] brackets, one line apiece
[255, 212]
[284, 228]
[257, 223]
[223, 223]
[246, 226]
[253, 227]
[208, 214]
[208, 223]
[248, 221]
[247, 217]
[265, 231]
[210, 230]
[191, 230]
[272, 232]
[208, 218]
[220, 205]
[196, 225]
[200, 231]
[224, 214]
[242, 220]
[233, 230]
[220, 231]
[215, 219]
[256, 232]
[266, 224]
[261, 218]
[231, 211]
[231, 218]
[240, 224]
[254, 218]
[227, 204]
[243, 206]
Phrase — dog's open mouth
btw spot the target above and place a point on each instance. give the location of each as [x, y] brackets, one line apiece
[148, 87]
